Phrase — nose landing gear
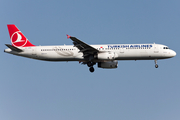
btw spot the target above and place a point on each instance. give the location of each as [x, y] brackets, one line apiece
[156, 65]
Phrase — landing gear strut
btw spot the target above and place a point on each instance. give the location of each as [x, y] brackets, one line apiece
[156, 65]
[90, 65]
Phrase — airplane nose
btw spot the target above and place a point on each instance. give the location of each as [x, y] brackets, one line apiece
[173, 53]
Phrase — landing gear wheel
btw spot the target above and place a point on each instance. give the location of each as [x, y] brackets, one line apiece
[156, 66]
[91, 69]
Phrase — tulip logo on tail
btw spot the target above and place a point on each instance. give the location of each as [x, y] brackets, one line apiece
[18, 39]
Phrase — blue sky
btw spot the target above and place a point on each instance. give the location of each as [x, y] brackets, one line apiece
[32, 89]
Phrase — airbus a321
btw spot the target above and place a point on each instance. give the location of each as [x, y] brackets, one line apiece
[105, 56]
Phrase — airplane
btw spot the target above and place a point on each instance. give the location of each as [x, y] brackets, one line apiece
[106, 56]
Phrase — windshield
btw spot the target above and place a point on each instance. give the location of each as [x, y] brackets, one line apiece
[165, 48]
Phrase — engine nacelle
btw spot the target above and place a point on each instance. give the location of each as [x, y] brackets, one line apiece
[106, 56]
[108, 64]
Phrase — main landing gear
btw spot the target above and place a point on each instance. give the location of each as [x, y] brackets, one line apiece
[90, 65]
[156, 65]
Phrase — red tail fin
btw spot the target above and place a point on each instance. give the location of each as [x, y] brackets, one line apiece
[17, 38]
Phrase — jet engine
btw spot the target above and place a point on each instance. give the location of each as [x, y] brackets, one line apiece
[108, 64]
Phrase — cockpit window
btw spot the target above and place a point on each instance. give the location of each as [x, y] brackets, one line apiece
[165, 48]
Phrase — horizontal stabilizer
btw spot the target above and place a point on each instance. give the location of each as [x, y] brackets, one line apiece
[13, 48]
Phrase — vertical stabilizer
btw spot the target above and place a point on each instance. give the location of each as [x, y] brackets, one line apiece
[17, 37]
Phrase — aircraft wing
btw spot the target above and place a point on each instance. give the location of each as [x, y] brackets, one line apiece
[83, 47]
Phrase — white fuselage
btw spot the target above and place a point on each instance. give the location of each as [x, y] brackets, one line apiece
[120, 52]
